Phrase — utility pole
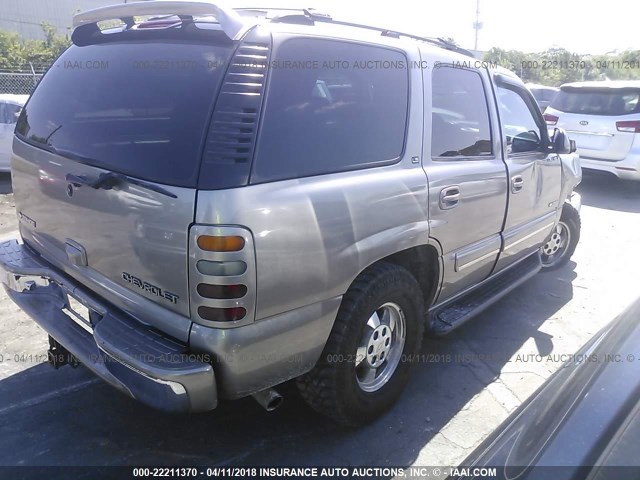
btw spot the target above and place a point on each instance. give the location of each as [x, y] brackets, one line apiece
[477, 25]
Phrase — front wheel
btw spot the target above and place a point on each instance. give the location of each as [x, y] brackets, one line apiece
[365, 363]
[559, 248]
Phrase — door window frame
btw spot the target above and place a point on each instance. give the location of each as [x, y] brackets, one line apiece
[492, 130]
[502, 81]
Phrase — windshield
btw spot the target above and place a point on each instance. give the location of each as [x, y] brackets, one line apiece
[139, 108]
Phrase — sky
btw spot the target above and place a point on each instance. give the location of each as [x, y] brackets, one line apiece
[593, 27]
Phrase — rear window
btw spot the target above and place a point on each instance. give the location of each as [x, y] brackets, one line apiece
[332, 106]
[597, 101]
[139, 108]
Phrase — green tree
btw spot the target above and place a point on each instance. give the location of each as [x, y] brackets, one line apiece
[556, 66]
[17, 53]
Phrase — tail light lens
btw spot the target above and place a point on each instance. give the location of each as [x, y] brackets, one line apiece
[631, 126]
[221, 269]
[551, 119]
[221, 291]
[222, 276]
[221, 243]
[214, 314]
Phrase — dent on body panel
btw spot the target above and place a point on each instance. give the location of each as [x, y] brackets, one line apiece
[571, 175]
[314, 235]
[290, 257]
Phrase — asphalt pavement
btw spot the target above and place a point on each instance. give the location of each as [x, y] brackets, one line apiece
[467, 384]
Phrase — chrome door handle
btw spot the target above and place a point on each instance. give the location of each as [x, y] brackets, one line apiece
[517, 183]
[449, 197]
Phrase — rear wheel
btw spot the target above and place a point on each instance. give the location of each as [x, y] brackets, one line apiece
[559, 248]
[364, 368]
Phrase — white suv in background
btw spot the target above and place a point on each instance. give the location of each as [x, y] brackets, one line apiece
[604, 120]
[10, 107]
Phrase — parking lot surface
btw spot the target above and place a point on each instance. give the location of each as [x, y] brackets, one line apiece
[465, 386]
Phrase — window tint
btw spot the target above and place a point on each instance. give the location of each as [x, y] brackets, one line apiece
[590, 101]
[460, 118]
[331, 107]
[139, 108]
[518, 123]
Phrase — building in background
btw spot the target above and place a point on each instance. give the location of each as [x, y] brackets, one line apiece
[25, 17]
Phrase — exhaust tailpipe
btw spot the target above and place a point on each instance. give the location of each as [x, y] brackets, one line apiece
[268, 399]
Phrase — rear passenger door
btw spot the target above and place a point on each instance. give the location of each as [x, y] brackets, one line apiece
[535, 176]
[467, 177]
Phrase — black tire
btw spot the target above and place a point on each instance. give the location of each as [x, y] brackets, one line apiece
[571, 218]
[332, 388]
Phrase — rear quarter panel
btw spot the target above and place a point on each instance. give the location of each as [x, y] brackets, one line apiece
[314, 235]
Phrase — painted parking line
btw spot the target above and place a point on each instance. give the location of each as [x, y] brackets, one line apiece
[51, 395]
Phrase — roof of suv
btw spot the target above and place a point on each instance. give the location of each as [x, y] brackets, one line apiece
[235, 21]
[613, 84]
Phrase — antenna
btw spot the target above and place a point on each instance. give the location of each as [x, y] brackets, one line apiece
[477, 25]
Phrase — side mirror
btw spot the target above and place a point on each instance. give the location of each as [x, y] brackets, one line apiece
[562, 143]
[525, 142]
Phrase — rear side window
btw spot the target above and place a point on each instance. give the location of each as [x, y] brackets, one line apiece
[139, 108]
[460, 116]
[597, 101]
[331, 107]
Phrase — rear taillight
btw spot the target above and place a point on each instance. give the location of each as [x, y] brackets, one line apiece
[550, 119]
[221, 291]
[221, 243]
[221, 269]
[222, 276]
[630, 126]
[222, 314]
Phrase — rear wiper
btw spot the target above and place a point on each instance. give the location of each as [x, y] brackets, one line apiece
[108, 180]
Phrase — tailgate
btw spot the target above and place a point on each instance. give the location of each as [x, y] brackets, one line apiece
[129, 235]
[597, 137]
[106, 162]
[590, 115]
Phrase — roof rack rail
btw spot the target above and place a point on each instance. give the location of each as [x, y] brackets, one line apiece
[312, 14]
[233, 25]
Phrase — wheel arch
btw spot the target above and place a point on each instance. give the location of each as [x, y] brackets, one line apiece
[423, 262]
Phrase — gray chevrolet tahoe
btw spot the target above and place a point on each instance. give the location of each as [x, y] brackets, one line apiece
[213, 202]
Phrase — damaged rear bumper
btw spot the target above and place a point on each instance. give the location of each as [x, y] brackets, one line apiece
[136, 359]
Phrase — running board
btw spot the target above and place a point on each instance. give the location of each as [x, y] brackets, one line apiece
[442, 320]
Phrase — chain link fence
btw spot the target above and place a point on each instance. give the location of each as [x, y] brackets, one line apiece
[21, 81]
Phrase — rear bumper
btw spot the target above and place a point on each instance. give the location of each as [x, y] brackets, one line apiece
[130, 356]
[627, 169]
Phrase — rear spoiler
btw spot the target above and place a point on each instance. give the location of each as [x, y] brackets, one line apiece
[233, 25]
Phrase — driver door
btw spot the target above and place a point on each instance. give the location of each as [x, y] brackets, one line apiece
[534, 173]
